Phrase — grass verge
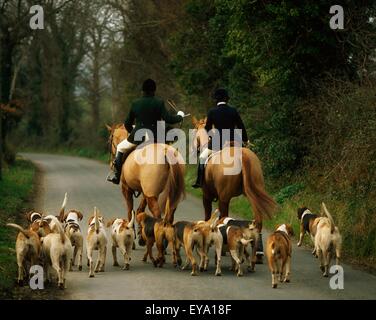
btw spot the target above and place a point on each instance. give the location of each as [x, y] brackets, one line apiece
[15, 191]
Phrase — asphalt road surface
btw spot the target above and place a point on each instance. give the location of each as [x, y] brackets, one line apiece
[84, 180]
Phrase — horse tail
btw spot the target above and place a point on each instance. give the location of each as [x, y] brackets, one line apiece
[254, 187]
[175, 187]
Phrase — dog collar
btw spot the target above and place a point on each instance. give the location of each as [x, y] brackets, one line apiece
[307, 211]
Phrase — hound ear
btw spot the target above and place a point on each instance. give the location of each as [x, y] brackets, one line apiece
[80, 215]
[109, 128]
[28, 215]
[194, 120]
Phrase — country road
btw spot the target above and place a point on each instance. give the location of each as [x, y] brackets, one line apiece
[84, 180]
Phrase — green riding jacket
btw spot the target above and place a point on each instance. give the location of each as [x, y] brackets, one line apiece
[144, 113]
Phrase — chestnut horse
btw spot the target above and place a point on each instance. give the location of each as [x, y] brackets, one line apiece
[248, 180]
[161, 172]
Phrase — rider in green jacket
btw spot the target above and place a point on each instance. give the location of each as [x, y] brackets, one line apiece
[145, 112]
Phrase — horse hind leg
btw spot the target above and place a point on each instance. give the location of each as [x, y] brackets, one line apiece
[207, 201]
[223, 208]
[128, 196]
[154, 206]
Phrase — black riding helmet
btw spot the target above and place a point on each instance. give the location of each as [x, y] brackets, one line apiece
[149, 86]
[221, 95]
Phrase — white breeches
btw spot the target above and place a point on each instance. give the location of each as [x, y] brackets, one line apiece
[205, 155]
[124, 146]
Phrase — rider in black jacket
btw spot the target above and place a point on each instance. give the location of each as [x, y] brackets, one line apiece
[220, 118]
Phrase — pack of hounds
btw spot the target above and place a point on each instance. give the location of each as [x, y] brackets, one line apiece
[56, 242]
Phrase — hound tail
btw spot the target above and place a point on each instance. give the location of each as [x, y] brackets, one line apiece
[327, 213]
[96, 220]
[62, 210]
[20, 229]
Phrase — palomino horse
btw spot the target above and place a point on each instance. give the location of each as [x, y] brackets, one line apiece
[152, 170]
[248, 181]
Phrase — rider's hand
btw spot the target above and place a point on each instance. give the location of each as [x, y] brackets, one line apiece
[181, 113]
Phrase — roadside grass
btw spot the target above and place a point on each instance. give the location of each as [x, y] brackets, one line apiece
[15, 190]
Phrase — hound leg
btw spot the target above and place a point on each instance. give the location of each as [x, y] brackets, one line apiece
[149, 245]
[90, 262]
[125, 255]
[274, 271]
[218, 251]
[178, 257]
[20, 278]
[74, 257]
[204, 260]
[160, 247]
[154, 206]
[288, 270]
[103, 259]
[114, 257]
[192, 259]
[326, 258]
[237, 261]
[282, 270]
[79, 252]
[301, 235]
[56, 266]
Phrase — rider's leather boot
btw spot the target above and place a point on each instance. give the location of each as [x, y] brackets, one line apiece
[200, 176]
[118, 163]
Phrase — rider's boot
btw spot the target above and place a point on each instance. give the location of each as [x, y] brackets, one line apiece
[118, 163]
[200, 176]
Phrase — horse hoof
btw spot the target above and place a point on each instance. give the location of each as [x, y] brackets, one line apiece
[218, 274]
[80, 268]
[126, 267]
[20, 283]
[274, 286]
[116, 264]
[61, 286]
[91, 276]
